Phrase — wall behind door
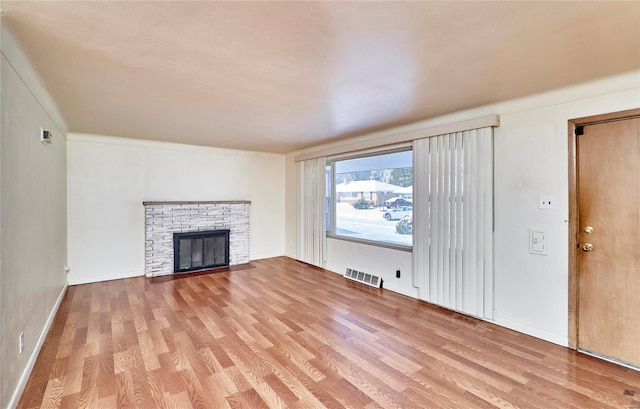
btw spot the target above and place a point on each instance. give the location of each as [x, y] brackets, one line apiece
[530, 160]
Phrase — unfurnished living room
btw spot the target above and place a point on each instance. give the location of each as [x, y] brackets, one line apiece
[320, 204]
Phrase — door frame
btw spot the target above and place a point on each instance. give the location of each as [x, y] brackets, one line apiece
[574, 228]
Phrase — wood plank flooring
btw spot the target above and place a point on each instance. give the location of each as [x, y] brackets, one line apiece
[286, 335]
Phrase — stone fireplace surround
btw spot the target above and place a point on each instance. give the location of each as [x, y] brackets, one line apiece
[162, 219]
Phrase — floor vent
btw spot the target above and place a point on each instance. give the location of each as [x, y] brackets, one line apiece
[364, 278]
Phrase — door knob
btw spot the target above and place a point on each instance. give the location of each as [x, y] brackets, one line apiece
[588, 229]
[587, 247]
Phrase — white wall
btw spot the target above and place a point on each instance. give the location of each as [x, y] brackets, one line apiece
[531, 151]
[110, 177]
[33, 218]
[531, 159]
[372, 259]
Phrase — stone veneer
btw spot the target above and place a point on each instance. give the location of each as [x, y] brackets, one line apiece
[162, 219]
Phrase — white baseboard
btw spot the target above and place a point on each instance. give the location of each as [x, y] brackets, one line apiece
[22, 382]
[534, 332]
[503, 322]
[73, 280]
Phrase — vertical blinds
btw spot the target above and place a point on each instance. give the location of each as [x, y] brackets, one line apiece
[453, 220]
[311, 211]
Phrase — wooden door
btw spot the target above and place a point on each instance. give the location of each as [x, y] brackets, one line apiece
[609, 271]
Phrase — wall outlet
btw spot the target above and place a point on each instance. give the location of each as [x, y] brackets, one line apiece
[398, 273]
[546, 202]
[21, 342]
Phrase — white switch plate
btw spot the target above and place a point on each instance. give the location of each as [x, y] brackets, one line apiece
[546, 202]
[539, 241]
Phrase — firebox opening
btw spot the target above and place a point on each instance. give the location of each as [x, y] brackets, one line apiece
[193, 251]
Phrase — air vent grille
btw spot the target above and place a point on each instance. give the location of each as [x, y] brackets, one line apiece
[364, 278]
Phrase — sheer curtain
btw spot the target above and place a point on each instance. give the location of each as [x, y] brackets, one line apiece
[453, 220]
[311, 211]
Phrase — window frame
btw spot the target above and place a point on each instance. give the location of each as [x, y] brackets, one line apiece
[332, 202]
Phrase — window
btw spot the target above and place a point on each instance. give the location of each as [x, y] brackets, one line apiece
[452, 250]
[369, 198]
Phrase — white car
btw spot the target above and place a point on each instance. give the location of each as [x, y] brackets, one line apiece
[398, 213]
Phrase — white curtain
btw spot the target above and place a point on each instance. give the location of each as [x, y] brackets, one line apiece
[311, 211]
[453, 220]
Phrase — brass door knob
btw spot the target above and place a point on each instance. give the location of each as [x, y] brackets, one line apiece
[588, 229]
[587, 247]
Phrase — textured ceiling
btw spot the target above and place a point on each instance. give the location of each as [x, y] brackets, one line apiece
[278, 76]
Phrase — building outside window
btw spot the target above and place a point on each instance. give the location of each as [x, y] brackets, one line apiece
[369, 198]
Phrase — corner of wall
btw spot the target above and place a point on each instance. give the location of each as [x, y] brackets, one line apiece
[15, 55]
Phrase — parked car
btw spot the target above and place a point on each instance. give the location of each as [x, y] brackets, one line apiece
[398, 213]
[397, 202]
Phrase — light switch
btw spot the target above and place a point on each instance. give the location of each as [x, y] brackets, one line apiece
[538, 241]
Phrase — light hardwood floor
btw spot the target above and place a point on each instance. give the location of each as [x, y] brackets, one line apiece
[283, 334]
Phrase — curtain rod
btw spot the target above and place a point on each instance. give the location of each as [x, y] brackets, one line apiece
[484, 122]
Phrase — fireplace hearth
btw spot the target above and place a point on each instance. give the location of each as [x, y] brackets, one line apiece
[194, 251]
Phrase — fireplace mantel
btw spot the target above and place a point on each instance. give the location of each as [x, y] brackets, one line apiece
[196, 202]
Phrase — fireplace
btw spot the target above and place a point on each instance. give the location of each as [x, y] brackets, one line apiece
[193, 251]
[163, 219]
